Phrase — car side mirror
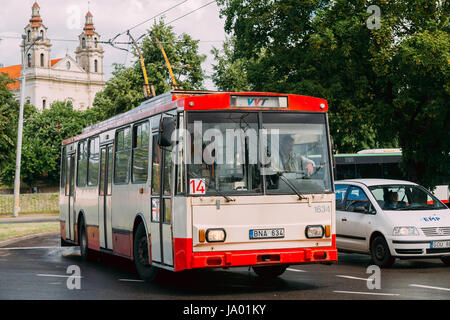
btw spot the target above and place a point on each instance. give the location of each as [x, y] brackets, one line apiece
[360, 209]
[166, 128]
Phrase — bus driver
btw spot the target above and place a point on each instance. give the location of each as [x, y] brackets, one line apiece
[290, 161]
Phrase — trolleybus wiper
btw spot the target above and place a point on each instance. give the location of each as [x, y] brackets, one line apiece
[221, 193]
[211, 187]
[291, 186]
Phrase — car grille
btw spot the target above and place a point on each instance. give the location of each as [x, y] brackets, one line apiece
[438, 250]
[436, 231]
[409, 251]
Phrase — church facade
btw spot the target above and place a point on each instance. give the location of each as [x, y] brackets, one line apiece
[75, 80]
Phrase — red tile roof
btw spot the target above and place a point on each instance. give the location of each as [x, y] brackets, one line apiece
[14, 73]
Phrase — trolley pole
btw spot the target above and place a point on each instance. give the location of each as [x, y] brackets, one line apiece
[149, 90]
[20, 129]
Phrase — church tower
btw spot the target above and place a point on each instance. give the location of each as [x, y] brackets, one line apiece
[39, 54]
[89, 53]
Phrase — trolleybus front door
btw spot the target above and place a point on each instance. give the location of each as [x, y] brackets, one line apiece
[69, 193]
[104, 204]
[161, 225]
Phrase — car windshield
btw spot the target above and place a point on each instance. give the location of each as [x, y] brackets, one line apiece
[238, 152]
[405, 198]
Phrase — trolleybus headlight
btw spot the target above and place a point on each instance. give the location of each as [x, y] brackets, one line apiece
[313, 232]
[215, 235]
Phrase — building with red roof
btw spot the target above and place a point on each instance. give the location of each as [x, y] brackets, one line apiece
[64, 79]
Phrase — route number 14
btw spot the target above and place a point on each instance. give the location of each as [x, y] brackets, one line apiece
[197, 186]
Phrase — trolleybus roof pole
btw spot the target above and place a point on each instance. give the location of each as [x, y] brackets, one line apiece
[174, 83]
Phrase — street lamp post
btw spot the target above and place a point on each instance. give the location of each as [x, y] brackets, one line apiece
[20, 128]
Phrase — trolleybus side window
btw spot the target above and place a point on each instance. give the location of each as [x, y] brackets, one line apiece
[179, 149]
[123, 156]
[141, 134]
[70, 177]
[156, 174]
[82, 164]
[94, 160]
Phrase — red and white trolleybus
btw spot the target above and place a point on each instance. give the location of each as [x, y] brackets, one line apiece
[200, 179]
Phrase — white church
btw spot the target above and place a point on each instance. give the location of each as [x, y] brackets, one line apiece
[68, 79]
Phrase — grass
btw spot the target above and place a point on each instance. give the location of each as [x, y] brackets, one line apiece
[30, 203]
[14, 230]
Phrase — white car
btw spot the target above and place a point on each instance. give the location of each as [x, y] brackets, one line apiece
[369, 221]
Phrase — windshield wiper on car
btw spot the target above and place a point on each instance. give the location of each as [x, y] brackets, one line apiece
[291, 186]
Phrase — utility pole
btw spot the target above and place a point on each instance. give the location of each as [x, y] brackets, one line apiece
[20, 128]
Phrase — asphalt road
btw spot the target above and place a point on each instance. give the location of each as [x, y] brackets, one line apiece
[37, 269]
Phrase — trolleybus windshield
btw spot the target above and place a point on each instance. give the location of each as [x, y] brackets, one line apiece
[248, 152]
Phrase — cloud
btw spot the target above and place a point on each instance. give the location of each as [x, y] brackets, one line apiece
[110, 18]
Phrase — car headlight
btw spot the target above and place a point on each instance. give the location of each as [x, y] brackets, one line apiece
[406, 231]
[314, 232]
[215, 235]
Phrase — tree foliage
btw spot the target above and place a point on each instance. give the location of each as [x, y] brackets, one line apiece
[124, 91]
[384, 85]
[8, 110]
[43, 134]
[229, 74]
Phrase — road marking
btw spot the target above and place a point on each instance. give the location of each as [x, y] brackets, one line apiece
[29, 248]
[429, 287]
[368, 293]
[354, 278]
[57, 276]
[131, 280]
[295, 270]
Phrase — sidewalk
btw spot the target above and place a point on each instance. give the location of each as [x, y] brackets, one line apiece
[31, 218]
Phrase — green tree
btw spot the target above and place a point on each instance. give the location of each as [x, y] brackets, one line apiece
[420, 111]
[229, 74]
[182, 53]
[42, 138]
[326, 49]
[9, 117]
[124, 91]
[121, 93]
[8, 108]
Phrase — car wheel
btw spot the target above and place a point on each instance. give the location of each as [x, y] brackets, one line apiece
[446, 260]
[145, 270]
[269, 272]
[381, 256]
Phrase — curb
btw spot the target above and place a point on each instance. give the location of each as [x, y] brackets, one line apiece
[30, 220]
[30, 236]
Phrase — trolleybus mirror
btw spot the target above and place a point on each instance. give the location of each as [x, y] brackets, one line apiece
[166, 128]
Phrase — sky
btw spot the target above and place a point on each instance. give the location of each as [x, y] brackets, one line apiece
[65, 21]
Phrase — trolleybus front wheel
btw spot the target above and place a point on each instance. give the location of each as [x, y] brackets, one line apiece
[268, 272]
[140, 253]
